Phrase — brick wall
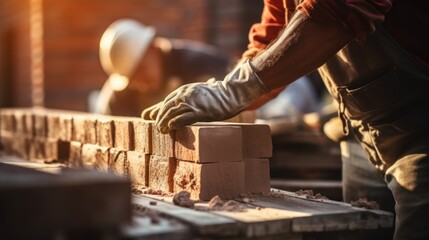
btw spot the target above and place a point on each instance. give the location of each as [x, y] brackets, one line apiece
[72, 29]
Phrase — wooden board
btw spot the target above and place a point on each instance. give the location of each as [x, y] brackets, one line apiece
[282, 213]
[36, 203]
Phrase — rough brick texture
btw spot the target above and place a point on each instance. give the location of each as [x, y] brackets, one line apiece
[138, 170]
[205, 144]
[257, 175]
[161, 173]
[205, 159]
[84, 128]
[142, 136]
[257, 142]
[162, 144]
[205, 181]
[124, 133]
[118, 161]
[105, 132]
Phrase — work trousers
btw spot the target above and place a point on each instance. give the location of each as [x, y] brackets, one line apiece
[401, 149]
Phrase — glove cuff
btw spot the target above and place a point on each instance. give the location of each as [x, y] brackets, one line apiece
[249, 65]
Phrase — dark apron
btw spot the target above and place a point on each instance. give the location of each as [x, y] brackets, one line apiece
[382, 95]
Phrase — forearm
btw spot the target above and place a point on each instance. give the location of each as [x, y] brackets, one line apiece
[302, 47]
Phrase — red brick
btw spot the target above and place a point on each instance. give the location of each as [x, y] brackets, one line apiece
[8, 122]
[138, 168]
[65, 131]
[205, 181]
[124, 133]
[161, 173]
[257, 142]
[142, 136]
[105, 131]
[20, 121]
[257, 175]
[40, 123]
[162, 144]
[88, 158]
[95, 157]
[75, 158]
[37, 149]
[15, 144]
[84, 129]
[57, 150]
[102, 159]
[206, 144]
[118, 162]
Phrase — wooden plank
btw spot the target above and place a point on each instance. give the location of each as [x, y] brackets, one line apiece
[34, 203]
[142, 227]
[203, 223]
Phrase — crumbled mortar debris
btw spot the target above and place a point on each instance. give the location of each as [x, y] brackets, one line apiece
[145, 190]
[218, 204]
[183, 199]
[309, 194]
[364, 203]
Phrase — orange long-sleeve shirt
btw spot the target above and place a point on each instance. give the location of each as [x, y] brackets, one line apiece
[406, 21]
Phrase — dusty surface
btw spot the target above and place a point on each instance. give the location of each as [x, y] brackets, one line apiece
[183, 199]
[310, 194]
[364, 203]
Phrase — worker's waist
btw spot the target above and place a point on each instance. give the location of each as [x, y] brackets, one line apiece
[385, 98]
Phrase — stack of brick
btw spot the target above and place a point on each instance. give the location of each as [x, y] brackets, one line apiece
[224, 159]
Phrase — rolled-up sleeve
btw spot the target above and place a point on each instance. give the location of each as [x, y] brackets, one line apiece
[273, 20]
[357, 16]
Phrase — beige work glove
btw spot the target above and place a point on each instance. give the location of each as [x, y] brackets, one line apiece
[151, 112]
[212, 100]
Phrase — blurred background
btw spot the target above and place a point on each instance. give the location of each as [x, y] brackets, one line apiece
[49, 48]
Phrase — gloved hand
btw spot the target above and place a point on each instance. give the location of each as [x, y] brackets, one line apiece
[212, 100]
[150, 113]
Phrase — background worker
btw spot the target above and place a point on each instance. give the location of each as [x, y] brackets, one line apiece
[374, 64]
[143, 68]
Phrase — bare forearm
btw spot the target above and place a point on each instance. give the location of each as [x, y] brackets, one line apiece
[302, 47]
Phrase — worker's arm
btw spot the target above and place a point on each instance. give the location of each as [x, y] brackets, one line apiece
[304, 45]
[278, 65]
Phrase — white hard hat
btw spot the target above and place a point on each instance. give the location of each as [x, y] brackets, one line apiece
[122, 46]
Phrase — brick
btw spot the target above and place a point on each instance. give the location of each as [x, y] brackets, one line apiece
[102, 156]
[205, 144]
[118, 162]
[66, 127]
[88, 158]
[257, 175]
[161, 173]
[7, 120]
[40, 124]
[84, 129]
[138, 168]
[162, 144]
[75, 156]
[105, 131]
[37, 149]
[15, 144]
[124, 134]
[142, 136]
[257, 142]
[205, 181]
[95, 157]
[20, 121]
[57, 150]
[53, 125]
